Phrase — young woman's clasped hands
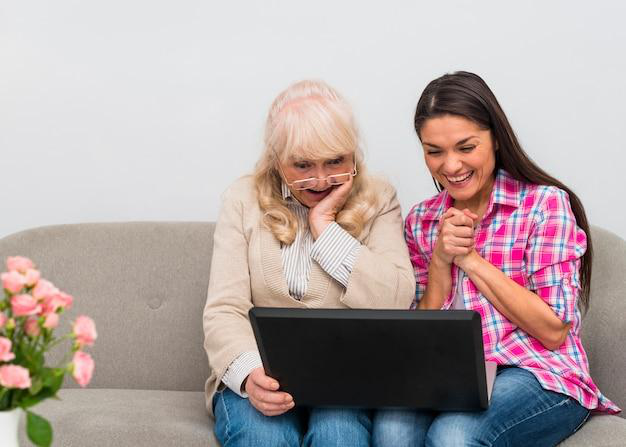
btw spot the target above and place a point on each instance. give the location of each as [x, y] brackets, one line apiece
[456, 235]
[455, 245]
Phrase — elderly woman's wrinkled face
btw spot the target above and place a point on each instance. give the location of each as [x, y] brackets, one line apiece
[310, 181]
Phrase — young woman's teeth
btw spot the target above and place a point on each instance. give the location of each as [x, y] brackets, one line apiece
[460, 179]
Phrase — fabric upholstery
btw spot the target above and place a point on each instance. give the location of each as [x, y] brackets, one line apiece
[599, 431]
[137, 418]
[604, 325]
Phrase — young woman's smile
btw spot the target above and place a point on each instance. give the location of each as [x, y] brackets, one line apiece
[461, 157]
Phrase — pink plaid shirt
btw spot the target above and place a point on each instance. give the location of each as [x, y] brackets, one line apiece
[530, 233]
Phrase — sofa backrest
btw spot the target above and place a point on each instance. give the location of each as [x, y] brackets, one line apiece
[145, 286]
[604, 325]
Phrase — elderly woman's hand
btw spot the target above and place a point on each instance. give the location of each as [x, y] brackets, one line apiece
[326, 211]
[264, 395]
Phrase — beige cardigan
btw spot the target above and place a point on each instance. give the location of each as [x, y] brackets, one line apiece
[246, 271]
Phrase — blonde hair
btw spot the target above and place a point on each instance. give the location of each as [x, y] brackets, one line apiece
[310, 120]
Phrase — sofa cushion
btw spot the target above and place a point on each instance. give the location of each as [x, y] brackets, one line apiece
[599, 431]
[604, 326]
[137, 418]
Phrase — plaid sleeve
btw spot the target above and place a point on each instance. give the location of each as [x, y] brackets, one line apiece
[418, 258]
[553, 254]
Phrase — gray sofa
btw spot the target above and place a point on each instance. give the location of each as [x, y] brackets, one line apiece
[145, 286]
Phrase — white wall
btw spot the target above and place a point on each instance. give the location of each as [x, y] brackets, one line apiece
[146, 110]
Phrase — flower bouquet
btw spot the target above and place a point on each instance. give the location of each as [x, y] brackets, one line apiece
[29, 315]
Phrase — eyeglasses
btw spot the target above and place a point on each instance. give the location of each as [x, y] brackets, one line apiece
[312, 182]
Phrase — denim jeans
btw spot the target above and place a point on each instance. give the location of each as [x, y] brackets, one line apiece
[238, 423]
[520, 413]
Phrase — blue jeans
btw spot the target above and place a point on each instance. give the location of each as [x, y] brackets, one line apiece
[238, 423]
[520, 413]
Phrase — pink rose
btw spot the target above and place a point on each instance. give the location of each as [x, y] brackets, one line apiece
[83, 366]
[31, 277]
[65, 299]
[32, 327]
[12, 281]
[3, 319]
[44, 289]
[85, 330]
[52, 321]
[19, 264]
[24, 305]
[5, 350]
[53, 303]
[14, 376]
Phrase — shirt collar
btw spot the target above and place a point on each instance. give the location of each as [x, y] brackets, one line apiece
[288, 196]
[506, 192]
[285, 190]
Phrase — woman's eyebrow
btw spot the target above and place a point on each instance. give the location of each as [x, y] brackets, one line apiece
[458, 143]
[465, 140]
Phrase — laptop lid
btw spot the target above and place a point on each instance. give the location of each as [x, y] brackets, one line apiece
[365, 358]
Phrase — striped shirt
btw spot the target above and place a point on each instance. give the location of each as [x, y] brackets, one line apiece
[529, 232]
[335, 250]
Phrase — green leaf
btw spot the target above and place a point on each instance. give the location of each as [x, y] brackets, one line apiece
[38, 429]
[29, 401]
[54, 377]
[5, 399]
[36, 386]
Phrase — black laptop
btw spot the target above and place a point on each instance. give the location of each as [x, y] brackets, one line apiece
[425, 359]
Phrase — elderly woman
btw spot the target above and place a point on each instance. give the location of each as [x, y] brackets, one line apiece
[310, 229]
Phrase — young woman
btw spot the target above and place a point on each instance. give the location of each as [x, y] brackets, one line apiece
[309, 229]
[511, 242]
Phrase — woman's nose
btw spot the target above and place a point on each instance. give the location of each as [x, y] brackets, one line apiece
[452, 164]
[320, 172]
[320, 175]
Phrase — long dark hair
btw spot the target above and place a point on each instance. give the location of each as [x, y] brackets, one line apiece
[467, 95]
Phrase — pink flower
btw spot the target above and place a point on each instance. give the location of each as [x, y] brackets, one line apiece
[3, 319]
[12, 281]
[83, 366]
[32, 327]
[66, 300]
[14, 376]
[24, 305]
[31, 277]
[52, 321]
[44, 289]
[60, 300]
[5, 350]
[19, 264]
[85, 330]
